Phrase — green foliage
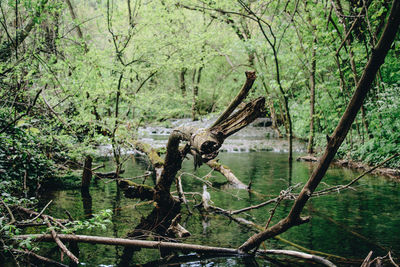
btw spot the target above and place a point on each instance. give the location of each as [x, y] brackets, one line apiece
[99, 220]
[384, 126]
[23, 158]
[8, 231]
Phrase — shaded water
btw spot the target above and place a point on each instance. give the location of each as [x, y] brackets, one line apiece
[349, 223]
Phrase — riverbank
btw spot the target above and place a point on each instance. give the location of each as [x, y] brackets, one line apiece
[388, 172]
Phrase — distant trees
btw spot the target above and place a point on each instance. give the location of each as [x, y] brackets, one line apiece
[306, 54]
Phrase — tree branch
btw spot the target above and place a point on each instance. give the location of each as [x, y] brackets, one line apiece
[168, 245]
[250, 77]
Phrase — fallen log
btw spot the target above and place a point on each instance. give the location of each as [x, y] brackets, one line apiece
[131, 243]
[227, 172]
[300, 255]
[170, 245]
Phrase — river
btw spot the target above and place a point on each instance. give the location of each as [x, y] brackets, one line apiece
[348, 223]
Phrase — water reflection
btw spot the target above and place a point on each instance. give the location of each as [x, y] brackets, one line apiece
[349, 223]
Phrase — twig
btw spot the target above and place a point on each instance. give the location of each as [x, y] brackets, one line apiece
[348, 33]
[12, 218]
[181, 194]
[40, 213]
[144, 81]
[98, 167]
[34, 213]
[56, 114]
[285, 194]
[272, 211]
[273, 200]
[341, 187]
[145, 175]
[391, 259]
[38, 257]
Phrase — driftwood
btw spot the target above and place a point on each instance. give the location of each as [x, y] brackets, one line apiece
[176, 229]
[227, 172]
[170, 245]
[297, 254]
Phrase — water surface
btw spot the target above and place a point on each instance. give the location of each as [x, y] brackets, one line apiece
[349, 223]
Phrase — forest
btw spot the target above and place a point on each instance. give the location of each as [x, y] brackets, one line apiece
[199, 133]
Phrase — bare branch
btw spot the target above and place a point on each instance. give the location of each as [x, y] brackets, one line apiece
[250, 77]
[169, 245]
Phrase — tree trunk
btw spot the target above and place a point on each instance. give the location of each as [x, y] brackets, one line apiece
[182, 80]
[312, 98]
[87, 173]
[196, 82]
[78, 28]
